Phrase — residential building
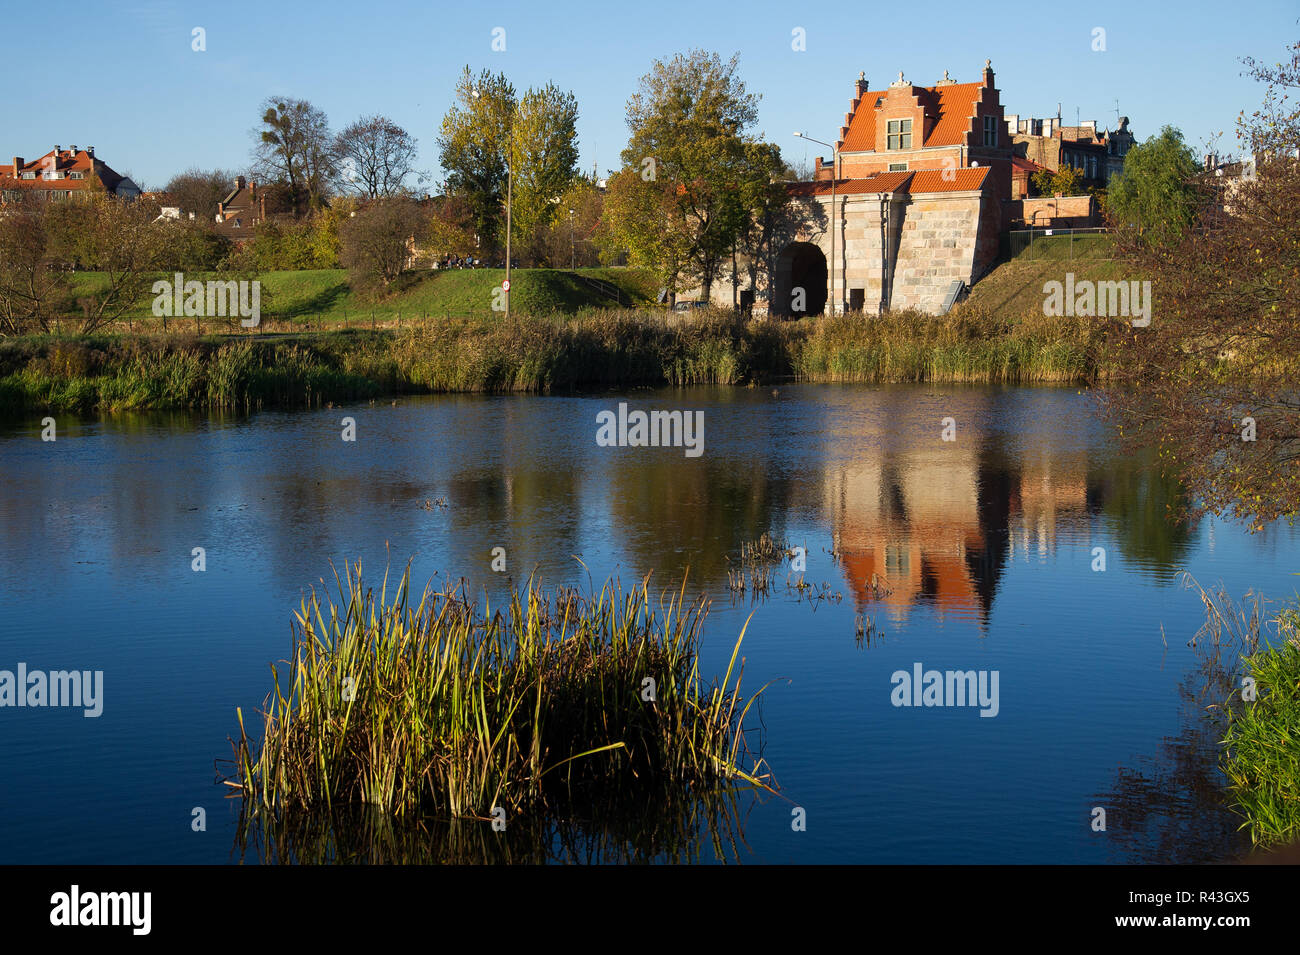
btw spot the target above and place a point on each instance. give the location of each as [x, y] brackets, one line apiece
[62, 174]
[243, 209]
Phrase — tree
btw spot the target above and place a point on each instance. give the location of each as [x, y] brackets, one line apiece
[377, 243]
[640, 221]
[545, 160]
[32, 284]
[1155, 196]
[688, 121]
[200, 190]
[568, 239]
[374, 157]
[472, 148]
[116, 238]
[1211, 381]
[763, 195]
[1065, 181]
[294, 146]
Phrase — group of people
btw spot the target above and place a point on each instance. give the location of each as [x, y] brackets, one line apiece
[458, 262]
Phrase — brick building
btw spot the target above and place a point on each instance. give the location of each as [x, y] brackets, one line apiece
[62, 174]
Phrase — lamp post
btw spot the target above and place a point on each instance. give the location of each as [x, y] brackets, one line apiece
[573, 255]
[835, 162]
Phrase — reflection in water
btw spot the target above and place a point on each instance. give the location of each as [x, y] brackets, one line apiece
[663, 828]
[1172, 807]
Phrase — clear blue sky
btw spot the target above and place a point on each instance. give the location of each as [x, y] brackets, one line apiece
[123, 77]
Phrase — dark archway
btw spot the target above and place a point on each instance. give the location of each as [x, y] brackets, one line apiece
[801, 265]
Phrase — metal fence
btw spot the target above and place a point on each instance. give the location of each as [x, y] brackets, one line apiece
[1063, 244]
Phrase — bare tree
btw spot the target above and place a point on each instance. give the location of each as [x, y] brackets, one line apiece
[377, 243]
[31, 281]
[200, 190]
[374, 157]
[294, 146]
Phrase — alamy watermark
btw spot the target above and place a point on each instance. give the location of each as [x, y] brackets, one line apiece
[83, 688]
[75, 907]
[946, 688]
[1087, 298]
[651, 429]
[214, 298]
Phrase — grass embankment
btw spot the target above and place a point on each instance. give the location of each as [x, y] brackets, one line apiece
[323, 298]
[1262, 759]
[430, 707]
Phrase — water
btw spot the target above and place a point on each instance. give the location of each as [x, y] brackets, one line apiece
[987, 544]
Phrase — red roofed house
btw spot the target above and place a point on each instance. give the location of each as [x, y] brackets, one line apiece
[61, 174]
[906, 128]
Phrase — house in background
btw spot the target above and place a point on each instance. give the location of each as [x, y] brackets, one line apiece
[1097, 154]
[62, 174]
[241, 212]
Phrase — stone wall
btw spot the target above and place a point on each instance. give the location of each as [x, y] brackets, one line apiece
[928, 240]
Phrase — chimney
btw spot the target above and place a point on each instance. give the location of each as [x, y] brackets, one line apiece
[988, 73]
[18, 164]
[239, 182]
[73, 149]
[862, 82]
[90, 151]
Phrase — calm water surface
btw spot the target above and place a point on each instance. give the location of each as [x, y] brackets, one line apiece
[987, 544]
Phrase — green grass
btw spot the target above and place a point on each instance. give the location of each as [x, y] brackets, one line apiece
[430, 707]
[324, 297]
[1262, 741]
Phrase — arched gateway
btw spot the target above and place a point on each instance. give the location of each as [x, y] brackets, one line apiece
[801, 265]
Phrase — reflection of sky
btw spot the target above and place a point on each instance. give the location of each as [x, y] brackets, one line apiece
[995, 532]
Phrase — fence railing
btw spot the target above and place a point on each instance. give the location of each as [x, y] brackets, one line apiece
[1061, 243]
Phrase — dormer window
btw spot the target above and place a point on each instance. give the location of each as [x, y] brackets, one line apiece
[899, 133]
[76, 175]
[990, 131]
[29, 175]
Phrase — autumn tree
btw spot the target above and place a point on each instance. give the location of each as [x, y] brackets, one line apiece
[689, 123]
[1066, 181]
[374, 157]
[1212, 381]
[490, 132]
[295, 147]
[472, 148]
[568, 239]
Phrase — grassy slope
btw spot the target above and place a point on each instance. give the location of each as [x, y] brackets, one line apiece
[324, 294]
[1015, 288]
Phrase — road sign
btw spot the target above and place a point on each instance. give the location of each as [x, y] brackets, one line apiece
[506, 285]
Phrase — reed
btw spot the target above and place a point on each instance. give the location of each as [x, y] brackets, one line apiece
[1262, 741]
[430, 707]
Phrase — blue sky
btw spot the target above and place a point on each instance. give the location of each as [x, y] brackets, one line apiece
[123, 77]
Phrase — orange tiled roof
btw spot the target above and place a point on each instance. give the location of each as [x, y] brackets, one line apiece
[953, 104]
[62, 161]
[917, 181]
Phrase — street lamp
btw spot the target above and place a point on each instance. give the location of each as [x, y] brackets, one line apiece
[573, 259]
[835, 162]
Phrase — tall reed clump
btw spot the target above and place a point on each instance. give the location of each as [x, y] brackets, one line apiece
[432, 707]
[1262, 741]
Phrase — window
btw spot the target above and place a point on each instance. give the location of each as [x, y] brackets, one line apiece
[899, 133]
[29, 175]
[1092, 167]
[990, 131]
[898, 167]
[76, 175]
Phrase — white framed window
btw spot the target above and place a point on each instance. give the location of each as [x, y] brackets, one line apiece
[899, 134]
[76, 175]
[29, 175]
